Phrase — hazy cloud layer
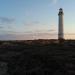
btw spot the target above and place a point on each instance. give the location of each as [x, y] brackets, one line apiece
[31, 36]
[7, 37]
[27, 36]
[32, 23]
[6, 24]
[6, 20]
[1, 27]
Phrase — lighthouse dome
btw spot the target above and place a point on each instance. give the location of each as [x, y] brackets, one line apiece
[60, 11]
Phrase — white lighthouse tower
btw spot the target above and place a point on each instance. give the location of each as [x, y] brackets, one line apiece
[60, 29]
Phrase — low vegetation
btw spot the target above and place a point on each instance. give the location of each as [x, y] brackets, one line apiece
[38, 57]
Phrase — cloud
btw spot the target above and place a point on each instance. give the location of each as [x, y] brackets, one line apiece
[32, 23]
[1, 27]
[6, 23]
[6, 20]
[7, 37]
[54, 2]
[35, 36]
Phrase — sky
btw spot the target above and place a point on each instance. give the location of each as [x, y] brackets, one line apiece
[35, 19]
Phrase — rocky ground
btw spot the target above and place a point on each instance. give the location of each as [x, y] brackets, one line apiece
[51, 59]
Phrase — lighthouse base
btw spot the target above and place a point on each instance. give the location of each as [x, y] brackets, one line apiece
[61, 40]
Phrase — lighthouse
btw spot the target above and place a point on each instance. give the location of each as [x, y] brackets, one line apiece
[60, 25]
